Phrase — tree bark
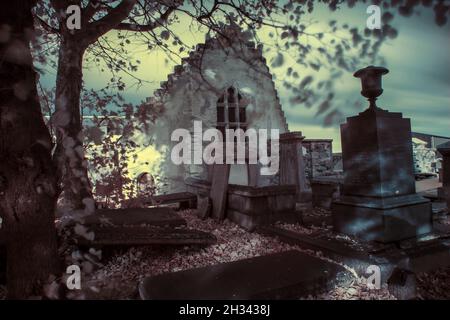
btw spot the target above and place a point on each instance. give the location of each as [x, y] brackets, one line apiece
[69, 154]
[28, 188]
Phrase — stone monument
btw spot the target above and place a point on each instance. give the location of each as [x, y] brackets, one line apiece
[444, 191]
[379, 200]
[292, 166]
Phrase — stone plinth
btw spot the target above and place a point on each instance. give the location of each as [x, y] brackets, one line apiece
[378, 200]
[292, 167]
[444, 191]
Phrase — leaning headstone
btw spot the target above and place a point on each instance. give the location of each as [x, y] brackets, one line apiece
[292, 167]
[379, 200]
[444, 191]
[204, 205]
[219, 188]
[285, 275]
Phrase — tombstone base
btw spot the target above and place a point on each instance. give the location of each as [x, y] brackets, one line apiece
[382, 219]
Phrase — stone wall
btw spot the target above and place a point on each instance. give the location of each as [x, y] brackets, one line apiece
[318, 156]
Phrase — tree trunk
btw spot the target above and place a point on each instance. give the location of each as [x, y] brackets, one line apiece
[69, 155]
[28, 188]
[72, 167]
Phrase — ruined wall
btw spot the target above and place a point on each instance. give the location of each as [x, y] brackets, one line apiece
[424, 157]
[318, 157]
[190, 95]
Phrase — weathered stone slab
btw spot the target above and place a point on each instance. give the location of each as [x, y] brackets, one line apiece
[135, 216]
[286, 275]
[136, 236]
[185, 200]
[420, 256]
[332, 249]
[219, 188]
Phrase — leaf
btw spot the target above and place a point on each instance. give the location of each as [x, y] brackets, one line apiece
[324, 106]
[165, 34]
[277, 61]
[95, 134]
[306, 81]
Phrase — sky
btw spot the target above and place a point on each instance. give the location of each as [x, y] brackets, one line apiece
[418, 84]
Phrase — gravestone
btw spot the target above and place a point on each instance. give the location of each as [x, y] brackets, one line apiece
[285, 275]
[144, 236]
[138, 226]
[219, 188]
[292, 166]
[379, 200]
[135, 216]
[444, 191]
[185, 200]
[204, 205]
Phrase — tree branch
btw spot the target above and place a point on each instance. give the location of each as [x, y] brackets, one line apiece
[46, 26]
[148, 27]
[90, 10]
[98, 28]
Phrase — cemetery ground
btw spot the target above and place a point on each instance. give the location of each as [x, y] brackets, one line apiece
[119, 271]
[118, 277]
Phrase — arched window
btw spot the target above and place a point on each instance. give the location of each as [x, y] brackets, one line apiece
[231, 111]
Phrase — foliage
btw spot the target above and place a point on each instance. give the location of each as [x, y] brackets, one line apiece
[292, 45]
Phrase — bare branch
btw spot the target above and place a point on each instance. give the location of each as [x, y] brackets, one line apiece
[46, 26]
[98, 28]
[148, 27]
